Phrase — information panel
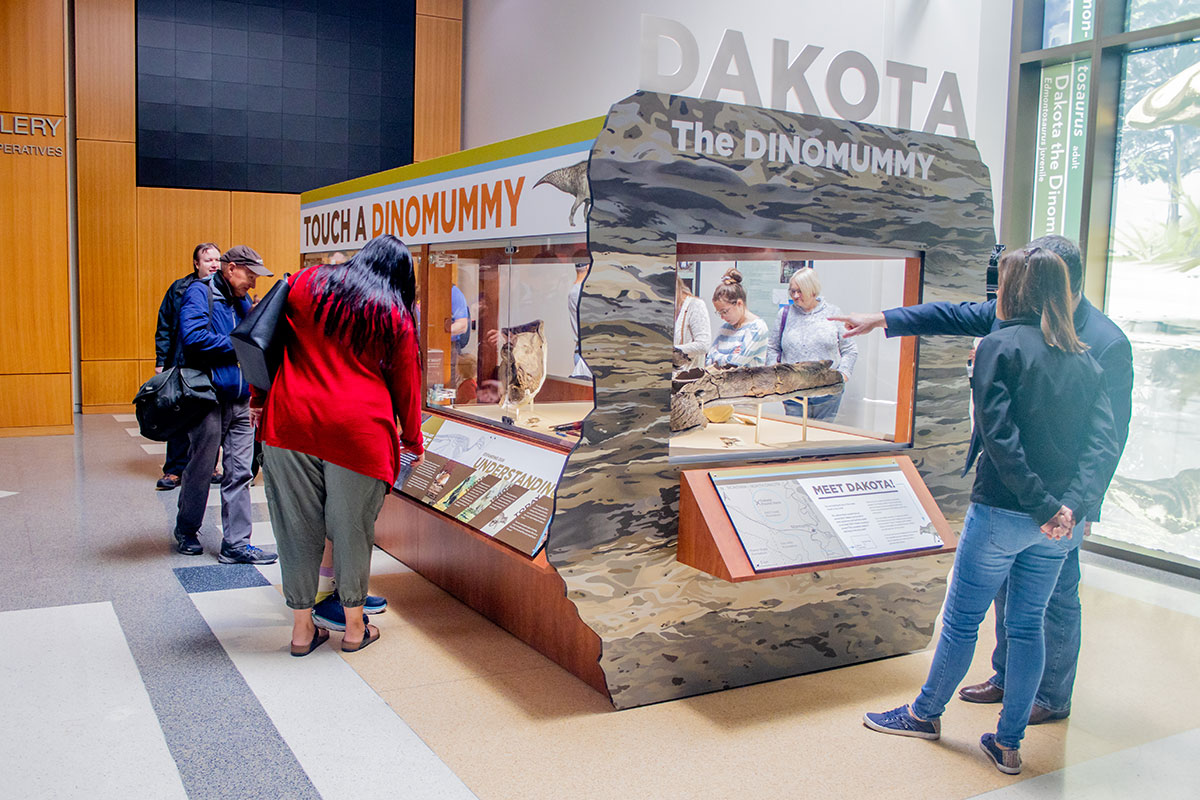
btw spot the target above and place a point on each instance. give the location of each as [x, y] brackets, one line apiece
[501, 487]
[810, 514]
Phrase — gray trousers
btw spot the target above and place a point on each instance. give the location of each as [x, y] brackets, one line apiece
[226, 426]
[310, 501]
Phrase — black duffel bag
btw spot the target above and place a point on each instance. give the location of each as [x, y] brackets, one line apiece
[259, 339]
[173, 401]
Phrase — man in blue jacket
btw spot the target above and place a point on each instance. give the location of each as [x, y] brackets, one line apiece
[1110, 347]
[211, 309]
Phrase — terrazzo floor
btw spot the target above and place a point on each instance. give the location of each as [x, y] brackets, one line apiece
[132, 671]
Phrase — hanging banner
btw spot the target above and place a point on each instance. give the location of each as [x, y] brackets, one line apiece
[1059, 158]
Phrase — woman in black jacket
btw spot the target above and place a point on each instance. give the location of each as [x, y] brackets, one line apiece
[1049, 450]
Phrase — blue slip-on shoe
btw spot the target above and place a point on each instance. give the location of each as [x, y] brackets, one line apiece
[330, 615]
[901, 722]
[371, 604]
[1007, 761]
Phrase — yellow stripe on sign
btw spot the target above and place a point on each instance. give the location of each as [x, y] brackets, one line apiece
[521, 145]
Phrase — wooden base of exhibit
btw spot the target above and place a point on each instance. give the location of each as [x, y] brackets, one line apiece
[37, 430]
[524, 596]
[709, 543]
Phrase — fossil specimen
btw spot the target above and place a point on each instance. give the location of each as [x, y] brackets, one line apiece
[522, 365]
[695, 388]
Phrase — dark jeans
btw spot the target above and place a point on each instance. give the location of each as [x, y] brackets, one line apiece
[227, 429]
[177, 454]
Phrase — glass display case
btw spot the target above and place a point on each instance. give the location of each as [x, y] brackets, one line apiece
[761, 387]
[501, 324]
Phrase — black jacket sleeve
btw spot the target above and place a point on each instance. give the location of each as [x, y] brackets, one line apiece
[941, 319]
[1097, 463]
[164, 334]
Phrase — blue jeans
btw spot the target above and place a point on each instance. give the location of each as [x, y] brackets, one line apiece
[997, 545]
[1063, 635]
[821, 407]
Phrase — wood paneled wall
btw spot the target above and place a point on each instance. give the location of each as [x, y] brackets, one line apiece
[132, 241]
[35, 298]
[437, 105]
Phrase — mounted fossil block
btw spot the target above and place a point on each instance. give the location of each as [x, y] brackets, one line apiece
[693, 389]
[522, 365]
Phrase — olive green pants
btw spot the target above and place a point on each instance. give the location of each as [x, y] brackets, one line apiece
[311, 500]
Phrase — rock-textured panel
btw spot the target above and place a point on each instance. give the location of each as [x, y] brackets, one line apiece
[669, 630]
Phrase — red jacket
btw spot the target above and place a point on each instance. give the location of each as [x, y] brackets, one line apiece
[327, 402]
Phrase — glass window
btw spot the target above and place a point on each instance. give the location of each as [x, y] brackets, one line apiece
[1068, 21]
[1154, 295]
[503, 335]
[1059, 159]
[1141, 14]
[767, 334]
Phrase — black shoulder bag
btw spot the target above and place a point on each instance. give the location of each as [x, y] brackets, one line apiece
[174, 400]
[259, 339]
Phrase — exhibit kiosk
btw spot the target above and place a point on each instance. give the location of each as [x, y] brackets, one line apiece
[659, 527]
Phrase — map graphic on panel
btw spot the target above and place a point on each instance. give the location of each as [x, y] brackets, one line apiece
[802, 517]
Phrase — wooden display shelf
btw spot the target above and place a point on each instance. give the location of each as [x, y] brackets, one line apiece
[524, 596]
[708, 542]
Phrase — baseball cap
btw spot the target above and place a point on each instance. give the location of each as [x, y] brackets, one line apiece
[247, 257]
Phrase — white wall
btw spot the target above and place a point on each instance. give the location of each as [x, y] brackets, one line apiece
[534, 64]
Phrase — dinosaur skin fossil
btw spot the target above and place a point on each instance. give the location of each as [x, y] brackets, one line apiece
[695, 388]
[522, 365]
[572, 180]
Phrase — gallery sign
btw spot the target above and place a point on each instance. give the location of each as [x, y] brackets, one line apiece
[30, 135]
[537, 193]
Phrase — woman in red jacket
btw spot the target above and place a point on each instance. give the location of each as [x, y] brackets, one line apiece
[331, 448]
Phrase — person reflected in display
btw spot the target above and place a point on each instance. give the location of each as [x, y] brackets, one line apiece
[465, 392]
[168, 349]
[1049, 450]
[693, 333]
[580, 368]
[1111, 348]
[331, 442]
[742, 338]
[806, 332]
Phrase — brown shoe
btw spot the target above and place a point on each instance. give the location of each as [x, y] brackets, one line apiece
[1041, 714]
[986, 692]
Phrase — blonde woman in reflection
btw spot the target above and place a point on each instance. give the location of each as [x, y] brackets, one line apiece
[693, 334]
[806, 333]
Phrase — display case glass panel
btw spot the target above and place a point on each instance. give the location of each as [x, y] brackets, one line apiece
[502, 341]
[737, 398]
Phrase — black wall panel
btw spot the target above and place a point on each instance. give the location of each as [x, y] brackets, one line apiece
[273, 95]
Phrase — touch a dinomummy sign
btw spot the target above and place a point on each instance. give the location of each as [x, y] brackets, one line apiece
[532, 186]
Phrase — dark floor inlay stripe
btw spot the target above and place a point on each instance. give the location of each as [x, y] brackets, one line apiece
[215, 577]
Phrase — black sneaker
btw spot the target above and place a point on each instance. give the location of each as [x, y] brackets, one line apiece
[188, 544]
[246, 554]
[167, 482]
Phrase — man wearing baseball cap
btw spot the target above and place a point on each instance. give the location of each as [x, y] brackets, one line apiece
[212, 308]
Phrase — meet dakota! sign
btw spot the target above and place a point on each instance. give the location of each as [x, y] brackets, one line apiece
[538, 193]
